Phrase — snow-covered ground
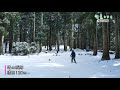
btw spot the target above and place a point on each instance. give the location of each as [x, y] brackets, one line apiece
[47, 65]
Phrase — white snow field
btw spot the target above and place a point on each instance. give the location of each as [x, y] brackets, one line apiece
[47, 65]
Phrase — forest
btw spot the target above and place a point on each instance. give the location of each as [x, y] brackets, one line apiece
[23, 33]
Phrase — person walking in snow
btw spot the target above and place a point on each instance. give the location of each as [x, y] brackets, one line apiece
[73, 54]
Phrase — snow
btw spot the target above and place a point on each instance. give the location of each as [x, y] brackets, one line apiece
[48, 65]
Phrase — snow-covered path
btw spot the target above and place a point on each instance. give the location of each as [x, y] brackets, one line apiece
[47, 65]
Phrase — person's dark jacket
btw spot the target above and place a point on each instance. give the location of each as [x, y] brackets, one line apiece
[73, 54]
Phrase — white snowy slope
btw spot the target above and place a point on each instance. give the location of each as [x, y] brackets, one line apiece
[47, 65]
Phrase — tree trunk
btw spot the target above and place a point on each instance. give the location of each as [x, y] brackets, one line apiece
[75, 40]
[50, 36]
[20, 32]
[10, 40]
[117, 54]
[92, 42]
[71, 37]
[50, 40]
[6, 43]
[58, 41]
[87, 40]
[24, 35]
[42, 18]
[95, 41]
[47, 41]
[80, 37]
[65, 39]
[84, 43]
[40, 44]
[105, 55]
[10, 36]
[109, 33]
[71, 32]
[34, 29]
[1, 48]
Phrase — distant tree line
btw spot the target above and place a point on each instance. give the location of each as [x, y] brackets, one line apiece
[74, 29]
